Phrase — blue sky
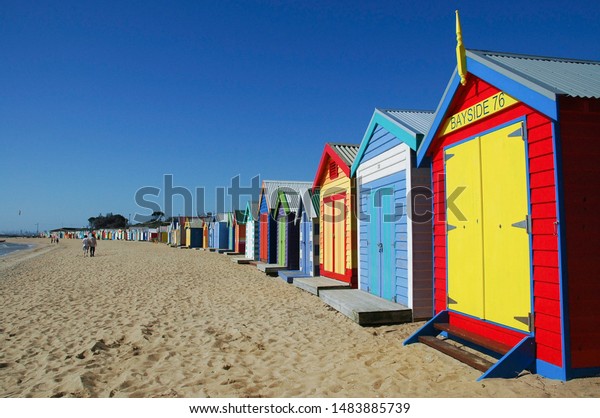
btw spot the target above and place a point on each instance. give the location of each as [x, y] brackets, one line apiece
[100, 99]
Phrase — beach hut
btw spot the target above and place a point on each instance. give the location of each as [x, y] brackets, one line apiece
[338, 250]
[308, 217]
[268, 232]
[514, 192]
[219, 232]
[251, 218]
[394, 260]
[287, 206]
[194, 232]
[239, 231]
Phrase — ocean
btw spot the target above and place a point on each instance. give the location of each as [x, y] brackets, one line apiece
[9, 247]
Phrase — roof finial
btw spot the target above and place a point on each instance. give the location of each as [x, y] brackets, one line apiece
[461, 58]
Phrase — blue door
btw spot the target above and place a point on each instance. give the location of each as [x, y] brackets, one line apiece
[381, 240]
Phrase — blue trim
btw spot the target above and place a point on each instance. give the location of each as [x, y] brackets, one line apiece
[562, 250]
[550, 371]
[379, 119]
[531, 98]
[520, 357]
[439, 117]
[428, 329]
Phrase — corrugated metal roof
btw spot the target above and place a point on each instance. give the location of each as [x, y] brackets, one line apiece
[418, 121]
[292, 189]
[310, 203]
[577, 78]
[347, 152]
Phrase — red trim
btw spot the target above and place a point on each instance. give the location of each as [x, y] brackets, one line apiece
[329, 153]
[332, 274]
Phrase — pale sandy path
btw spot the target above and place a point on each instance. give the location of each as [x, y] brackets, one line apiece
[146, 320]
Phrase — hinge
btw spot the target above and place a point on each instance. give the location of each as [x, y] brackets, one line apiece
[447, 156]
[525, 224]
[450, 300]
[450, 227]
[518, 133]
[527, 320]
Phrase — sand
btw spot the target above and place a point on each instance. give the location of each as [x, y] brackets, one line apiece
[147, 320]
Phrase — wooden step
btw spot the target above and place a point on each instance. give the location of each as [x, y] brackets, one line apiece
[463, 356]
[495, 346]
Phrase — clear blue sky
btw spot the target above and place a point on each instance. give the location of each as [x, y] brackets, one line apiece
[99, 99]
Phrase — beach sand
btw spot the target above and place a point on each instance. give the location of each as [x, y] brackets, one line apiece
[147, 320]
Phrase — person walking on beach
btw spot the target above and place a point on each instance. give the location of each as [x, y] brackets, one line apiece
[86, 245]
[92, 244]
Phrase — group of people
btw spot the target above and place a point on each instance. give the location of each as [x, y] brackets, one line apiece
[53, 239]
[89, 245]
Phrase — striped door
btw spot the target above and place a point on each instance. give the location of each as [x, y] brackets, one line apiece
[250, 240]
[339, 236]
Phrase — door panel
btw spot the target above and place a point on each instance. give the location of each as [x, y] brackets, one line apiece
[281, 229]
[388, 265]
[250, 240]
[264, 254]
[464, 226]
[328, 235]
[506, 247]
[340, 236]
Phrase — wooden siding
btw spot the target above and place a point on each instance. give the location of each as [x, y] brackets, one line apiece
[580, 140]
[543, 213]
[422, 241]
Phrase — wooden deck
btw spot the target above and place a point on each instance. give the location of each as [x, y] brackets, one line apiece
[315, 285]
[366, 309]
[270, 269]
[290, 275]
[232, 253]
[241, 260]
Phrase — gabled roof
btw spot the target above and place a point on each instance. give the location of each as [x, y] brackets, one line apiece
[310, 203]
[343, 154]
[409, 126]
[251, 211]
[534, 80]
[271, 188]
[291, 199]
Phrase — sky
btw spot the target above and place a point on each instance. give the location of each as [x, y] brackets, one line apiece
[100, 101]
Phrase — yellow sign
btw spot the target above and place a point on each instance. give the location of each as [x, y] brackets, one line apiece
[478, 111]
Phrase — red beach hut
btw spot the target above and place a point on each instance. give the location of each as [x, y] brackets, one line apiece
[514, 193]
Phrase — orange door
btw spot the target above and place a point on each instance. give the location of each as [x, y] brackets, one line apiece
[264, 236]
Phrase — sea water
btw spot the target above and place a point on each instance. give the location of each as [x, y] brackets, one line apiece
[9, 247]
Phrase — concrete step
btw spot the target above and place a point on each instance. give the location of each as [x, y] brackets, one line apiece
[366, 309]
[290, 275]
[315, 285]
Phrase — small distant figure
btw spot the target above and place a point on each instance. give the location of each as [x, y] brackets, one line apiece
[92, 244]
[51, 239]
[86, 245]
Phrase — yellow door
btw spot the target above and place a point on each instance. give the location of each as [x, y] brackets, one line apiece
[505, 237]
[464, 228]
[327, 233]
[340, 235]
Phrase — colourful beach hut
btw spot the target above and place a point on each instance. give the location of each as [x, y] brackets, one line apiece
[194, 232]
[306, 221]
[338, 249]
[251, 218]
[514, 190]
[219, 232]
[236, 218]
[309, 233]
[394, 226]
[287, 206]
